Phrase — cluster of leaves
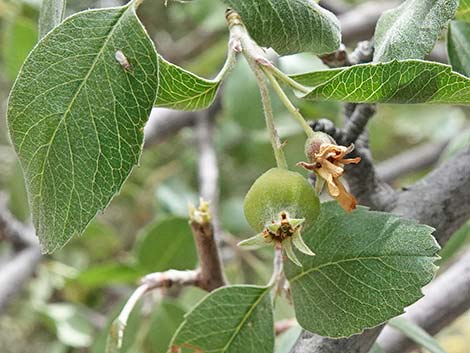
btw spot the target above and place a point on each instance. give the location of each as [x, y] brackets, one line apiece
[76, 118]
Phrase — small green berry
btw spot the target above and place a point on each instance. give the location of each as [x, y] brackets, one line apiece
[279, 205]
[279, 190]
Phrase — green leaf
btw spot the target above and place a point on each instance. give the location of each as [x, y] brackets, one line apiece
[463, 13]
[417, 334]
[73, 328]
[458, 46]
[242, 85]
[167, 244]
[52, 13]
[290, 26]
[76, 117]
[106, 275]
[368, 267]
[17, 196]
[183, 90]
[236, 319]
[173, 197]
[19, 37]
[166, 319]
[411, 30]
[405, 82]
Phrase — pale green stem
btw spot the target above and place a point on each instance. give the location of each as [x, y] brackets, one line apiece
[250, 51]
[288, 104]
[278, 265]
[286, 79]
[269, 117]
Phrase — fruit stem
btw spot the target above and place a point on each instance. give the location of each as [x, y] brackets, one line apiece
[269, 117]
[253, 54]
[287, 103]
[286, 79]
[278, 265]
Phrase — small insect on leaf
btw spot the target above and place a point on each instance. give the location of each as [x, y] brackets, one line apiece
[122, 60]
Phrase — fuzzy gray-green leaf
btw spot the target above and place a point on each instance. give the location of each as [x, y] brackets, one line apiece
[235, 319]
[411, 30]
[290, 26]
[183, 90]
[369, 266]
[404, 82]
[76, 117]
[458, 46]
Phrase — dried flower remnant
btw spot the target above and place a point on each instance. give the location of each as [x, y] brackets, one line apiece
[327, 160]
[284, 232]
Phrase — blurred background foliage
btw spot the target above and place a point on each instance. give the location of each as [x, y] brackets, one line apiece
[78, 290]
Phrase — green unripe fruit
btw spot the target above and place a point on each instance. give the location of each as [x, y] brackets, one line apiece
[276, 191]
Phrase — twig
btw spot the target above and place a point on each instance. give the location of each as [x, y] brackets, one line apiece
[116, 334]
[357, 123]
[152, 281]
[311, 343]
[363, 53]
[210, 274]
[412, 160]
[15, 273]
[441, 199]
[359, 22]
[191, 45]
[165, 123]
[336, 6]
[13, 231]
[208, 170]
[27, 255]
[446, 298]
[205, 223]
[169, 279]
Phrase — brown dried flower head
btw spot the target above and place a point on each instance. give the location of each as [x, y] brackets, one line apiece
[327, 160]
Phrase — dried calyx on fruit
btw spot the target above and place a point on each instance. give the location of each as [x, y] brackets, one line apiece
[279, 206]
[326, 159]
